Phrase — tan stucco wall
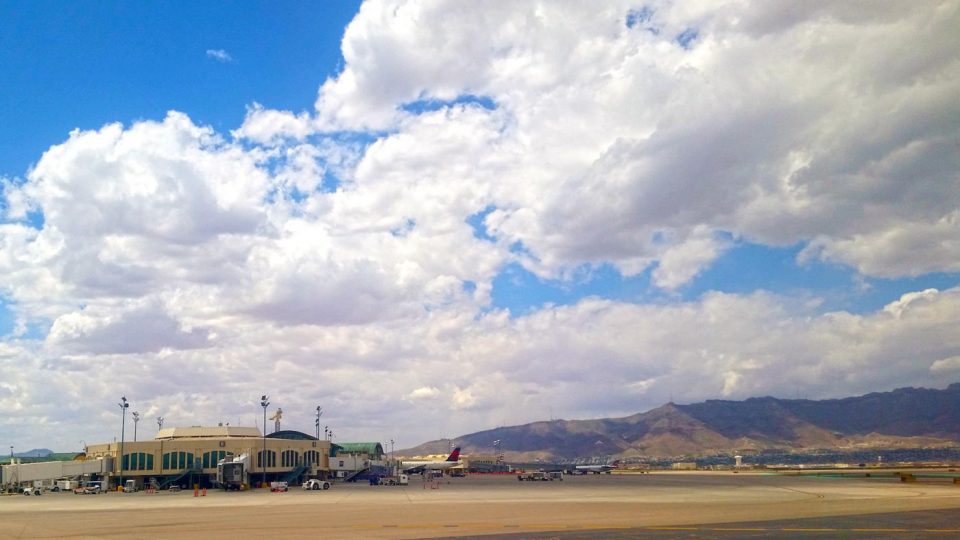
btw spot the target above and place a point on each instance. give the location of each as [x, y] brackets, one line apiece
[198, 447]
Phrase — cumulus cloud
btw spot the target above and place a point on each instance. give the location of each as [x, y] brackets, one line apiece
[779, 123]
[594, 358]
[132, 328]
[332, 251]
[681, 261]
[946, 365]
[424, 393]
[267, 125]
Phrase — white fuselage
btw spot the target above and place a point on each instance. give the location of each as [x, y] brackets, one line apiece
[430, 465]
[597, 469]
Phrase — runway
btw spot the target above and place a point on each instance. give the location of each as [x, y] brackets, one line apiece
[615, 506]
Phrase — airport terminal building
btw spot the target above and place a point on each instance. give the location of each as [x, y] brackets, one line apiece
[188, 456]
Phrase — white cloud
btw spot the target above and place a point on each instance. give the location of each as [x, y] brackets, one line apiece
[179, 266]
[219, 55]
[424, 393]
[946, 365]
[133, 327]
[681, 261]
[270, 126]
[462, 399]
[574, 361]
[781, 124]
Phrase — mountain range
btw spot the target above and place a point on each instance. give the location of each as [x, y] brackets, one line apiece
[35, 453]
[902, 418]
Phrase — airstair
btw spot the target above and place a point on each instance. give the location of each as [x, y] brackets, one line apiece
[295, 474]
[176, 479]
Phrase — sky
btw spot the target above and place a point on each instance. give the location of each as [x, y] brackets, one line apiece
[433, 218]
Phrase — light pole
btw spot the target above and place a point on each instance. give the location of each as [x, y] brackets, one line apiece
[123, 424]
[319, 414]
[136, 418]
[264, 402]
[325, 433]
[160, 427]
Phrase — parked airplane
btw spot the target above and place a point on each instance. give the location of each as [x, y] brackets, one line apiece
[596, 469]
[415, 467]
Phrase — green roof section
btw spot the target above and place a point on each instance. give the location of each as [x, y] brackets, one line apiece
[368, 448]
[292, 435]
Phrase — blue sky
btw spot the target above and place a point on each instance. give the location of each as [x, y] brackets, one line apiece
[125, 61]
[325, 191]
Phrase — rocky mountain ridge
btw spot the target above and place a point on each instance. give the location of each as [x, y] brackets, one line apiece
[902, 418]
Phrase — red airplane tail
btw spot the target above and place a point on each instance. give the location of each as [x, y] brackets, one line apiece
[455, 455]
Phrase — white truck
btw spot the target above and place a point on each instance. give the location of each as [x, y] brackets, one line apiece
[233, 472]
[314, 485]
[401, 479]
[65, 485]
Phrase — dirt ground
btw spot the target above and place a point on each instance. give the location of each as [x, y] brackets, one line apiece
[468, 506]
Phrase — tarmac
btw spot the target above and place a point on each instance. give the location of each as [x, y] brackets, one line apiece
[658, 505]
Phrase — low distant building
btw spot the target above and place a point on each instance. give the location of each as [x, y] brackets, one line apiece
[684, 466]
[352, 460]
[484, 463]
[189, 455]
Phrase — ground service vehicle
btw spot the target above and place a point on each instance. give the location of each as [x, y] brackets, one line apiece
[534, 476]
[130, 486]
[233, 472]
[314, 485]
[65, 485]
[279, 487]
[398, 480]
[89, 488]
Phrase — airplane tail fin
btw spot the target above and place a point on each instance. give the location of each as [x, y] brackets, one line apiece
[455, 455]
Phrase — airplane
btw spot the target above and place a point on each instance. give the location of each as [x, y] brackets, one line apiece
[414, 467]
[596, 469]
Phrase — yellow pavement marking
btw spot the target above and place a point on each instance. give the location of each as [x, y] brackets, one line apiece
[806, 529]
